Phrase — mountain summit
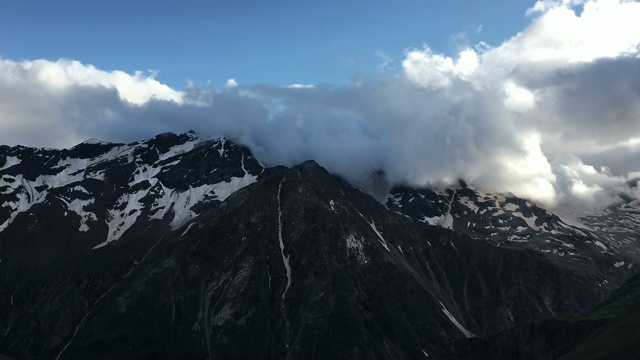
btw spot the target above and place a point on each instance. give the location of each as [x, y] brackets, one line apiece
[180, 247]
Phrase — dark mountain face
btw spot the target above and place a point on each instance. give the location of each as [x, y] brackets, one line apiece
[180, 248]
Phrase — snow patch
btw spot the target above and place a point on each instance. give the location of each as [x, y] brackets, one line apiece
[224, 189]
[9, 162]
[515, 238]
[119, 221]
[599, 244]
[26, 197]
[178, 150]
[531, 221]
[187, 230]
[80, 189]
[222, 142]
[94, 141]
[444, 221]
[575, 223]
[70, 170]
[144, 173]
[179, 202]
[469, 203]
[77, 206]
[510, 207]
[182, 202]
[563, 243]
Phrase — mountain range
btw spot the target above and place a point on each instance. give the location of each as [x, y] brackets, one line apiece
[180, 247]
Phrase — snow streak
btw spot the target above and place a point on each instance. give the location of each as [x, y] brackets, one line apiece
[285, 259]
[372, 224]
[455, 322]
[382, 240]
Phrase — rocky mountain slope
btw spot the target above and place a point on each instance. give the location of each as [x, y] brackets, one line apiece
[606, 244]
[177, 247]
[609, 331]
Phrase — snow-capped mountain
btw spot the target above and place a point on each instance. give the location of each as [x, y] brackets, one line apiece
[178, 247]
[104, 189]
[607, 242]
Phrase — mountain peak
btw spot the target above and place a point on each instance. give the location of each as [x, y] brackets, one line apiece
[310, 166]
[94, 141]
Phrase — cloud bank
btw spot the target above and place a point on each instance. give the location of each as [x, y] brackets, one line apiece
[551, 114]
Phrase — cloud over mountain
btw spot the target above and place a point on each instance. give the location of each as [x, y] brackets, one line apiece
[547, 114]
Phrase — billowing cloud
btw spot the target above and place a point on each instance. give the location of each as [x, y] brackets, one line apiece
[551, 114]
[437, 71]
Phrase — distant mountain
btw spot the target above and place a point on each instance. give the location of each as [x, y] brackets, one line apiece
[180, 247]
[606, 245]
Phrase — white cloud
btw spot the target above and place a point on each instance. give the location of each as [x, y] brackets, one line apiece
[584, 185]
[231, 83]
[604, 29]
[531, 170]
[437, 71]
[56, 76]
[301, 86]
[44, 102]
[518, 99]
[568, 77]
[543, 6]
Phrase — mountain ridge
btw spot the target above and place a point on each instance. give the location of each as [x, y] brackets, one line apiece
[200, 247]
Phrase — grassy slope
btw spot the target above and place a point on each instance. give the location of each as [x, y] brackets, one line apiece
[619, 337]
[611, 330]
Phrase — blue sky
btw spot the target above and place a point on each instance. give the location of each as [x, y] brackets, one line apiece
[279, 42]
